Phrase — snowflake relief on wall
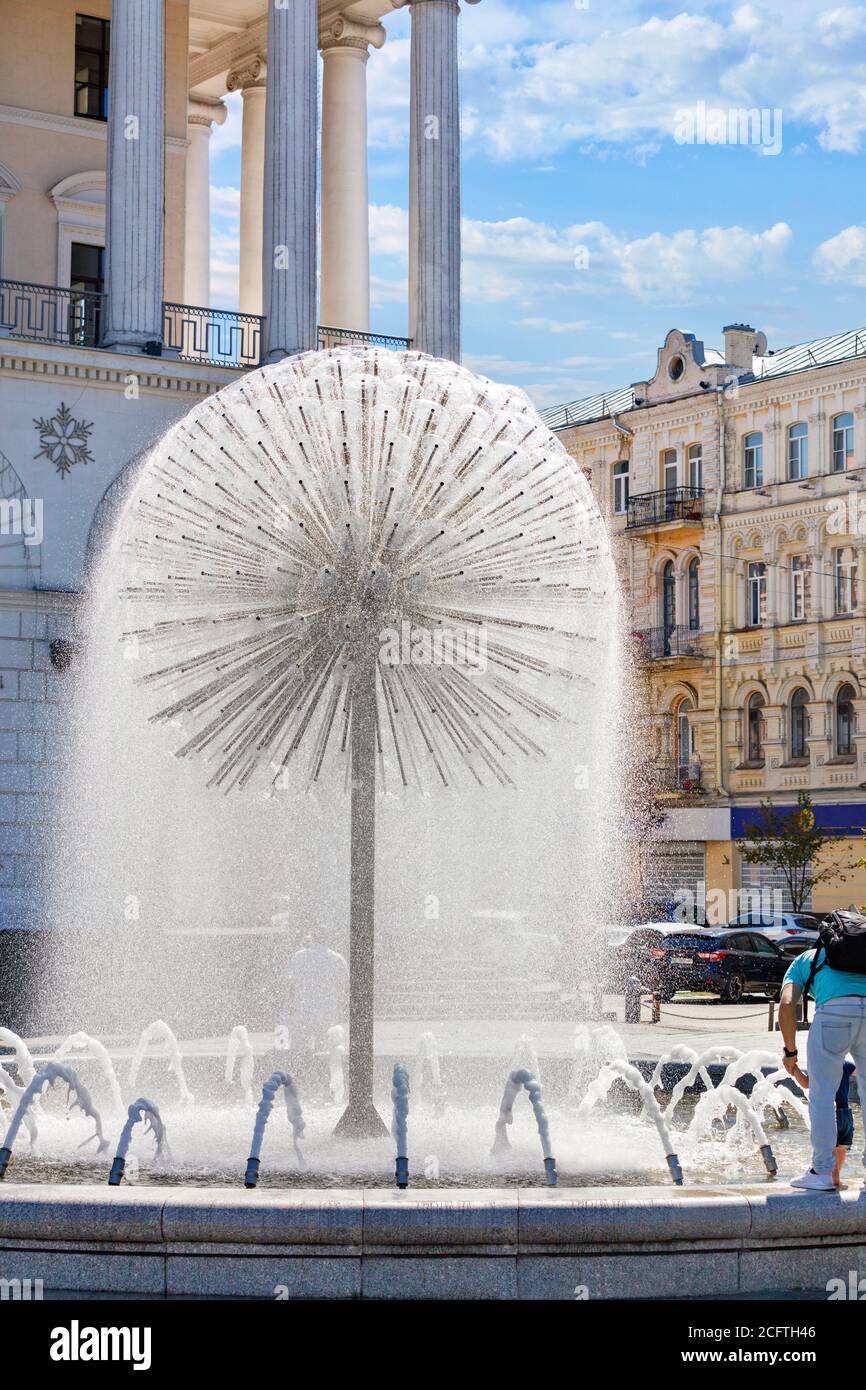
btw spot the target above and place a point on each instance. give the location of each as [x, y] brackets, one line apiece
[64, 440]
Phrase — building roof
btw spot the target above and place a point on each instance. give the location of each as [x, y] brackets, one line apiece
[803, 357]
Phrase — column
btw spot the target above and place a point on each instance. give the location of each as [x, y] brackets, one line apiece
[434, 176]
[345, 286]
[201, 119]
[250, 78]
[289, 251]
[135, 174]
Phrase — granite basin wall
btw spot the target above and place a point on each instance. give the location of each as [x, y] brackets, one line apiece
[565, 1243]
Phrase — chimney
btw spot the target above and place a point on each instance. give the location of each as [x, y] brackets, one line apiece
[741, 343]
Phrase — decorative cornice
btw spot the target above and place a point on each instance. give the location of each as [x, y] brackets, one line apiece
[81, 126]
[105, 368]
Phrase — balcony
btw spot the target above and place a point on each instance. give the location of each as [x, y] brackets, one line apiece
[673, 778]
[661, 643]
[671, 504]
[211, 337]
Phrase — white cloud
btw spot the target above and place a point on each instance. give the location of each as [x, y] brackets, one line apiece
[556, 325]
[843, 256]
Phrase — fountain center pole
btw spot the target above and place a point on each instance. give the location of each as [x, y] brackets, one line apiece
[360, 1119]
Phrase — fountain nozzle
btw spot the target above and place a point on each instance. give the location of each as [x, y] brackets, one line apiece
[402, 1175]
[676, 1171]
[550, 1170]
[5, 1155]
[766, 1154]
[116, 1173]
[252, 1173]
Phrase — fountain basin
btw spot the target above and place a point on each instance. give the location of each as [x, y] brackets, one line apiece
[484, 1243]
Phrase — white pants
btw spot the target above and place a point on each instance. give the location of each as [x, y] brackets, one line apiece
[838, 1027]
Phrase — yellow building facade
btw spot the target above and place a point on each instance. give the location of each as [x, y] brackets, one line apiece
[734, 484]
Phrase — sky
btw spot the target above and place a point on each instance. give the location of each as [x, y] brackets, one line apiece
[608, 195]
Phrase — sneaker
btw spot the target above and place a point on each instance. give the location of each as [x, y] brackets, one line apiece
[815, 1182]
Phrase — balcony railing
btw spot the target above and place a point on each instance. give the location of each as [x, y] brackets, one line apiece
[49, 314]
[657, 643]
[671, 504]
[341, 337]
[212, 337]
[675, 778]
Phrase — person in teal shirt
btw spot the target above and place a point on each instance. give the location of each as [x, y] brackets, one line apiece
[839, 1027]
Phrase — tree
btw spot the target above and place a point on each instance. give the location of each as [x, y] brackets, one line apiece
[792, 843]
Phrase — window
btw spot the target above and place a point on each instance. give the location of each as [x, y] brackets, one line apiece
[669, 603]
[845, 722]
[756, 593]
[843, 442]
[755, 729]
[87, 275]
[694, 578]
[753, 460]
[798, 452]
[620, 488]
[696, 467]
[91, 67]
[844, 579]
[799, 725]
[685, 739]
[669, 470]
[801, 587]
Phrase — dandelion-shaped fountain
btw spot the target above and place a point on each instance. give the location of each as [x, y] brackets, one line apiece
[368, 556]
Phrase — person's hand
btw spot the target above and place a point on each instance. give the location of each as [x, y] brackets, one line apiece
[790, 1065]
[801, 1078]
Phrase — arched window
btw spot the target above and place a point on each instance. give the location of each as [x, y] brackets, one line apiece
[669, 605]
[685, 738]
[799, 724]
[842, 441]
[755, 729]
[694, 577]
[845, 721]
[798, 452]
[756, 593]
[695, 461]
[753, 460]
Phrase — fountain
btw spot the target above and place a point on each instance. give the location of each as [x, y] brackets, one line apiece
[160, 1032]
[26, 1068]
[239, 1045]
[501, 1145]
[399, 1126]
[712, 1056]
[624, 1071]
[84, 1043]
[714, 1104]
[336, 1054]
[46, 1076]
[145, 1111]
[266, 1105]
[430, 1086]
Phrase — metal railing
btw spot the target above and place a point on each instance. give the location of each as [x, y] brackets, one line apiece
[674, 778]
[49, 314]
[670, 504]
[341, 337]
[656, 643]
[214, 337]
[192, 333]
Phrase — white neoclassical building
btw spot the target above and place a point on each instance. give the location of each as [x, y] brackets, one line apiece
[107, 331]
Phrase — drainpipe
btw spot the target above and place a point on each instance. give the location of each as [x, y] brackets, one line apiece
[629, 435]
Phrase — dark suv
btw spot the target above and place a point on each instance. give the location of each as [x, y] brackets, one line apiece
[729, 962]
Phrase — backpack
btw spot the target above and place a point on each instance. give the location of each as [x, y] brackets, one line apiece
[843, 938]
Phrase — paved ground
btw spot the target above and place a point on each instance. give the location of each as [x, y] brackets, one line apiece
[698, 1024]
